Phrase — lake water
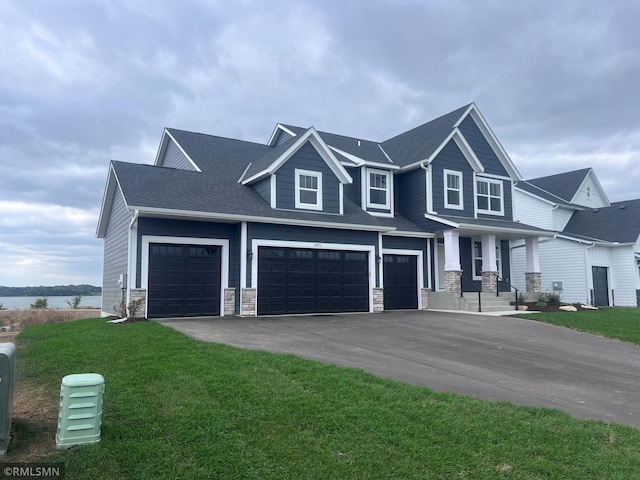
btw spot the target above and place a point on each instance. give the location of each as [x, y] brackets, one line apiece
[23, 303]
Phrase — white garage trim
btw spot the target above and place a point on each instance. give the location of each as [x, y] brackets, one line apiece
[370, 249]
[224, 260]
[419, 267]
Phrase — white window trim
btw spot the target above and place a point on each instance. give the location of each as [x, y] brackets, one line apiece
[368, 187]
[452, 206]
[478, 275]
[224, 260]
[308, 206]
[489, 181]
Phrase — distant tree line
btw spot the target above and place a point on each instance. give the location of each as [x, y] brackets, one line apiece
[56, 291]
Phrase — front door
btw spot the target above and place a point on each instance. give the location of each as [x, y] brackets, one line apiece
[600, 286]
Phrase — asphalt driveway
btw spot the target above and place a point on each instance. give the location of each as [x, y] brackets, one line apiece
[495, 358]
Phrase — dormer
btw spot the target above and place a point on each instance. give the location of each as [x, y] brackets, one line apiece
[299, 173]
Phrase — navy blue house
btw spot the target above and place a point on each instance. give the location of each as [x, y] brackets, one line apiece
[314, 222]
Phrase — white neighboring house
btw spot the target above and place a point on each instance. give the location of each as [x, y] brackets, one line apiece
[595, 256]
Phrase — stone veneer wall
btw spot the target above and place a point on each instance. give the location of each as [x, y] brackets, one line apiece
[533, 282]
[424, 293]
[139, 294]
[452, 281]
[229, 301]
[378, 300]
[248, 304]
[489, 282]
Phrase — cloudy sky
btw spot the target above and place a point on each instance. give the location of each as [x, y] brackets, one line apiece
[86, 81]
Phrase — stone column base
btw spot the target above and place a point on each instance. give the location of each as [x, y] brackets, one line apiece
[378, 300]
[533, 282]
[424, 296]
[452, 281]
[139, 294]
[637, 298]
[489, 282]
[249, 304]
[229, 301]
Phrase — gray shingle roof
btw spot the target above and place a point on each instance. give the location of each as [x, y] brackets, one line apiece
[563, 185]
[618, 223]
[419, 143]
[537, 191]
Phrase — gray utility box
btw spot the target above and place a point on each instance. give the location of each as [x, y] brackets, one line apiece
[7, 382]
[80, 414]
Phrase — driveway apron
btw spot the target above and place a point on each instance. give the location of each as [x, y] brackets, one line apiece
[494, 358]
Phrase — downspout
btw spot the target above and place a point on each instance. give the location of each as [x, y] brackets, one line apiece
[590, 298]
[133, 252]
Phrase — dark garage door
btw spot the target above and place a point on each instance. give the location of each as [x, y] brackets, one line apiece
[600, 286]
[400, 282]
[294, 280]
[184, 280]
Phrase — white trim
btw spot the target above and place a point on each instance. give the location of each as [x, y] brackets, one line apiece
[361, 161]
[385, 154]
[132, 254]
[298, 189]
[273, 199]
[163, 148]
[224, 260]
[278, 127]
[244, 172]
[435, 218]
[370, 249]
[388, 190]
[489, 181]
[380, 266]
[428, 183]
[341, 195]
[243, 256]
[233, 218]
[404, 233]
[419, 267]
[459, 175]
[591, 174]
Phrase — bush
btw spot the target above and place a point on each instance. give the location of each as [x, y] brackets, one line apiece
[2, 307]
[40, 303]
[132, 311]
[554, 297]
[541, 304]
[75, 301]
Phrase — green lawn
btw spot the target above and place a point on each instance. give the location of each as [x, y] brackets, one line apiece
[620, 323]
[178, 408]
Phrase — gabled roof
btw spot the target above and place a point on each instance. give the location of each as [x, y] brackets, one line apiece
[368, 151]
[277, 156]
[618, 223]
[418, 144]
[563, 185]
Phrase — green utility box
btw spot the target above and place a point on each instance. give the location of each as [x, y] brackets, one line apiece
[7, 381]
[80, 414]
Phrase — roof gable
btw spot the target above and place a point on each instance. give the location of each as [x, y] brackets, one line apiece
[562, 185]
[272, 161]
[166, 142]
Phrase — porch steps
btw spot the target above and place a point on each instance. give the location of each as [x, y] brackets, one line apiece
[490, 302]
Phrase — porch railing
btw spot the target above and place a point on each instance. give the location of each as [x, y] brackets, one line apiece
[475, 287]
[498, 280]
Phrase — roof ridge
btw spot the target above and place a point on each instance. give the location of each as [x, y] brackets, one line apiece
[171, 129]
[461, 109]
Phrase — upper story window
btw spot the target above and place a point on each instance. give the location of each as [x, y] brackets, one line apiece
[308, 189]
[378, 191]
[489, 198]
[588, 192]
[453, 190]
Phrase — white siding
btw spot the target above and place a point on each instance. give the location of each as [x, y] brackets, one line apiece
[582, 197]
[624, 275]
[532, 211]
[560, 261]
[561, 217]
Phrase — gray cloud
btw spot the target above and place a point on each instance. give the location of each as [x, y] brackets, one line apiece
[83, 82]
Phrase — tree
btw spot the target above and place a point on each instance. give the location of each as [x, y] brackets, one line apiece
[75, 302]
[40, 303]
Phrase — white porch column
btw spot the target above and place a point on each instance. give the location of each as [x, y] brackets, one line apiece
[489, 262]
[452, 250]
[532, 274]
[533, 257]
[452, 268]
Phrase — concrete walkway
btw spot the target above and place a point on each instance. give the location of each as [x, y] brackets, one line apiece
[491, 357]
